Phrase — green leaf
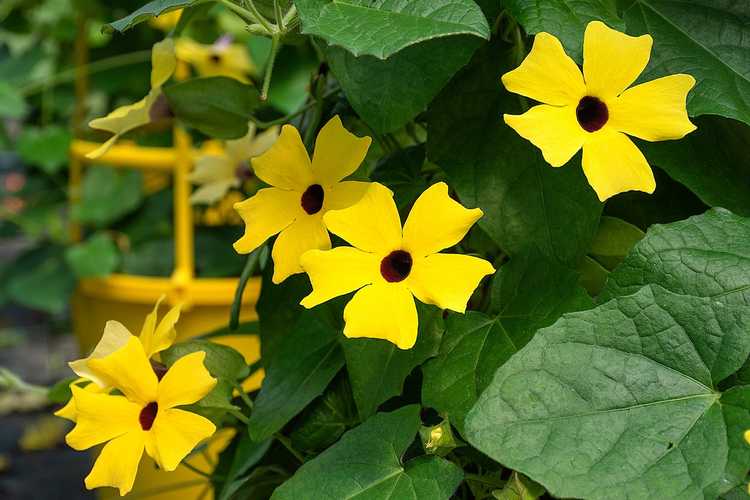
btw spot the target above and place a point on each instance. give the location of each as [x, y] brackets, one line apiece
[713, 161]
[530, 292]
[736, 409]
[218, 106]
[108, 194]
[221, 361]
[40, 279]
[326, 419]
[613, 241]
[97, 256]
[306, 360]
[370, 83]
[377, 368]
[12, 104]
[618, 401]
[247, 455]
[366, 464]
[46, 147]
[526, 202]
[150, 10]
[401, 172]
[278, 308]
[566, 19]
[474, 346]
[60, 392]
[150, 258]
[707, 39]
[381, 29]
[706, 255]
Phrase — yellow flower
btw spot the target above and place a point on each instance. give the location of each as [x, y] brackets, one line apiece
[216, 173]
[143, 417]
[302, 193]
[222, 58]
[389, 264]
[151, 108]
[166, 21]
[595, 110]
[154, 339]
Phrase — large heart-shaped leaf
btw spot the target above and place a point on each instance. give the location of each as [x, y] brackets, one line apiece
[382, 28]
[526, 202]
[619, 401]
[706, 255]
[708, 39]
[366, 464]
[566, 19]
[383, 91]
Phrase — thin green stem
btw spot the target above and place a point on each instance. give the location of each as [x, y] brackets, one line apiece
[11, 381]
[240, 11]
[285, 119]
[69, 75]
[286, 443]
[262, 20]
[196, 470]
[275, 43]
[279, 16]
[239, 416]
[250, 264]
[244, 397]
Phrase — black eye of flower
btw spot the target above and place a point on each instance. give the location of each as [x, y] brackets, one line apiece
[396, 266]
[592, 113]
[215, 58]
[148, 415]
[312, 199]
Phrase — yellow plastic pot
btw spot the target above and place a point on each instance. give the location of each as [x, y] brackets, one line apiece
[128, 299]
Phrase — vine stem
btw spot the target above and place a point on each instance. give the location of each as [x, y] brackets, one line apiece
[288, 445]
[196, 470]
[244, 397]
[260, 19]
[286, 118]
[239, 416]
[275, 43]
[241, 11]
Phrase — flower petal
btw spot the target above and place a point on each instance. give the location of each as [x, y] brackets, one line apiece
[553, 129]
[612, 60]
[372, 224]
[212, 192]
[447, 280]
[655, 110]
[212, 167]
[383, 311]
[436, 221]
[613, 164]
[163, 62]
[286, 165]
[115, 336]
[68, 411]
[238, 150]
[155, 339]
[337, 272]
[263, 142]
[101, 417]
[344, 194]
[547, 74]
[117, 464]
[338, 152]
[266, 213]
[186, 381]
[128, 369]
[306, 233]
[175, 433]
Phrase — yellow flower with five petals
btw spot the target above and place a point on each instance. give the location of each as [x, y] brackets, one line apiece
[302, 192]
[151, 108]
[154, 337]
[144, 417]
[388, 266]
[598, 109]
[217, 172]
[222, 58]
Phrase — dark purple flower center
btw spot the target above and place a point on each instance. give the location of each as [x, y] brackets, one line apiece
[242, 171]
[312, 199]
[592, 113]
[160, 110]
[148, 415]
[215, 58]
[396, 266]
[159, 369]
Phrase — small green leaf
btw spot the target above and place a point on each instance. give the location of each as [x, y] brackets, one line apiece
[566, 19]
[150, 10]
[366, 464]
[108, 194]
[618, 401]
[377, 368]
[706, 255]
[474, 346]
[736, 406]
[97, 256]
[370, 83]
[247, 455]
[46, 148]
[40, 279]
[218, 106]
[381, 29]
[60, 392]
[12, 104]
[278, 308]
[306, 360]
[613, 241]
[221, 361]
